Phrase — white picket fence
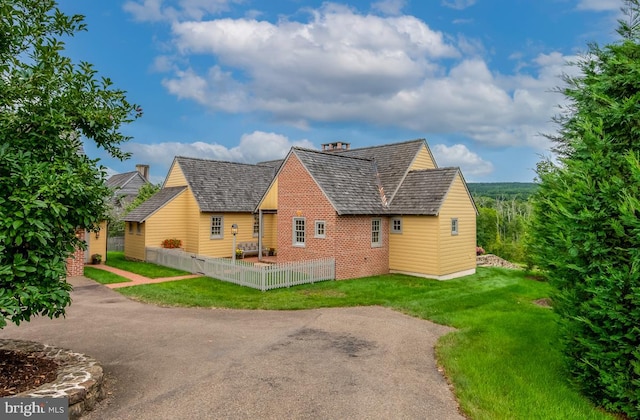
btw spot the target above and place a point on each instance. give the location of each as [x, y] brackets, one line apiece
[262, 277]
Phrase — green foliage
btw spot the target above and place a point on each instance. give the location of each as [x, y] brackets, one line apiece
[586, 223]
[501, 226]
[49, 188]
[502, 190]
[144, 193]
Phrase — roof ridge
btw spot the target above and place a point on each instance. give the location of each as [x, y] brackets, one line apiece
[383, 145]
[221, 161]
[333, 153]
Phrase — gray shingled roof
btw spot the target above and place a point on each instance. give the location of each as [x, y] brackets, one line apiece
[117, 181]
[226, 186]
[153, 204]
[393, 161]
[423, 191]
[349, 182]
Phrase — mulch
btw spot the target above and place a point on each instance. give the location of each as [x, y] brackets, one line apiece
[21, 371]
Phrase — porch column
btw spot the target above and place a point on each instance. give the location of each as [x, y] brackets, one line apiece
[260, 235]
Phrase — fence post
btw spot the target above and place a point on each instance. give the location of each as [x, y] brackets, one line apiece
[262, 278]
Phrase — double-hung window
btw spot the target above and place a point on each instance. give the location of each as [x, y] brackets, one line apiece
[454, 226]
[376, 236]
[396, 225]
[298, 231]
[256, 225]
[217, 227]
[320, 231]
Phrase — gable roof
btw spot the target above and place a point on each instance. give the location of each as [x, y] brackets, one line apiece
[349, 183]
[392, 160]
[423, 191]
[225, 186]
[153, 204]
[118, 181]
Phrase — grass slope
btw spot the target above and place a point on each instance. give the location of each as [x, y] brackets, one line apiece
[503, 361]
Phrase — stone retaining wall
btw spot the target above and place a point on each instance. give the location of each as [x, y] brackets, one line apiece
[79, 377]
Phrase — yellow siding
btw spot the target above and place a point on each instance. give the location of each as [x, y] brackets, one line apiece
[191, 217]
[457, 252]
[98, 246]
[415, 250]
[169, 222]
[270, 201]
[224, 247]
[134, 242]
[176, 177]
[270, 230]
[424, 160]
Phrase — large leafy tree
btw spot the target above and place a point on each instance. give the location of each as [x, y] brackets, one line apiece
[49, 187]
[586, 224]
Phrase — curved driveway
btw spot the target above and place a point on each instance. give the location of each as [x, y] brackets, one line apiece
[184, 363]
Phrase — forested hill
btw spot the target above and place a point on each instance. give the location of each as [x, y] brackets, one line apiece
[504, 190]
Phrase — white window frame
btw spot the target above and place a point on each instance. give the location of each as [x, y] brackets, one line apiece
[399, 224]
[376, 233]
[320, 229]
[221, 227]
[295, 238]
[455, 226]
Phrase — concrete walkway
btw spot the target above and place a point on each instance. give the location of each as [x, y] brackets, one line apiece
[188, 363]
[137, 279]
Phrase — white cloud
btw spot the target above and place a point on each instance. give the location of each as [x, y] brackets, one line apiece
[458, 4]
[389, 7]
[253, 147]
[343, 66]
[459, 155]
[171, 10]
[599, 5]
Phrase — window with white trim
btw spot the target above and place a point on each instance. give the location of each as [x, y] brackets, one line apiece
[256, 225]
[376, 237]
[396, 225]
[320, 231]
[454, 226]
[217, 227]
[298, 231]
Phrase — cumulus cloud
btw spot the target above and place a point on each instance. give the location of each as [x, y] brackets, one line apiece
[459, 155]
[389, 7]
[344, 66]
[253, 147]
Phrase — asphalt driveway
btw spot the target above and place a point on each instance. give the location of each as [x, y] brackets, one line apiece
[183, 363]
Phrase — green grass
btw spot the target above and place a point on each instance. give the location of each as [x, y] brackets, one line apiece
[153, 271]
[102, 276]
[503, 361]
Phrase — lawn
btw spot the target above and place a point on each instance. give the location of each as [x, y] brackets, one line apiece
[504, 361]
[116, 259]
[103, 277]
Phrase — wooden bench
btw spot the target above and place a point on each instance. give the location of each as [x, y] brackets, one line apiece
[250, 249]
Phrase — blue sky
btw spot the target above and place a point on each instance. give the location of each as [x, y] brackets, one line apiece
[244, 80]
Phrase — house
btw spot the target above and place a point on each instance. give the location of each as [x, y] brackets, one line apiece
[125, 186]
[199, 201]
[375, 210]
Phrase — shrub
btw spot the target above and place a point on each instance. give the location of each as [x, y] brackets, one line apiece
[172, 243]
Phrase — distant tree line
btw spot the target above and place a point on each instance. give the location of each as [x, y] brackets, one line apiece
[503, 214]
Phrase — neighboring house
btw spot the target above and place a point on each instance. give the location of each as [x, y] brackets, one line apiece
[199, 201]
[125, 186]
[375, 210]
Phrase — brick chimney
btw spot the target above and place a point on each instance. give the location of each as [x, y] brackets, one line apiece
[143, 170]
[336, 146]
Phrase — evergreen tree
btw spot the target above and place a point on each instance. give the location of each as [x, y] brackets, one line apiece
[586, 221]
